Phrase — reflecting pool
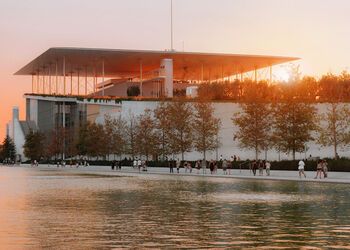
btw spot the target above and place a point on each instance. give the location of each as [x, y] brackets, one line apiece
[48, 209]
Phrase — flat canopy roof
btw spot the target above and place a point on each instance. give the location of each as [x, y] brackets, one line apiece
[126, 63]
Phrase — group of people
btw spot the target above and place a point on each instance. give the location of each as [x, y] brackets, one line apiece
[321, 169]
[260, 165]
[212, 165]
[139, 164]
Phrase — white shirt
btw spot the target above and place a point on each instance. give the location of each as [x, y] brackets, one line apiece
[301, 165]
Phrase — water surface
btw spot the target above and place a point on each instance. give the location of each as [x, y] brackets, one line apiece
[58, 209]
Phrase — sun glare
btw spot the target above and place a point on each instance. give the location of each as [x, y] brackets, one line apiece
[281, 74]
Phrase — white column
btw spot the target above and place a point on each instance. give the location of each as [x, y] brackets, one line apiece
[166, 71]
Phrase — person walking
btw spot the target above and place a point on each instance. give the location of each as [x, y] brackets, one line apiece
[198, 166]
[171, 166]
[319, 169]
[254, 167]
[211, 166]
[301, 167]
[178, 164]
[224, 166]
[267, 167]
[112, 166]
[261, 168]
[139, 164]
[325, 168]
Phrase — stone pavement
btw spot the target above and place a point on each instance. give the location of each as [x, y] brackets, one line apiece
[333, 177]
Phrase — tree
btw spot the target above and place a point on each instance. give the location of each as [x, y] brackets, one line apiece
[205, 128]
[254, 125]
[146, 136]
[130, 133]
[92, 140]
[335, 131]
[294, 122]
[33, 147]
[180, 115]
[133, 91]
[162, 123]
[115, 132]
[8, 149]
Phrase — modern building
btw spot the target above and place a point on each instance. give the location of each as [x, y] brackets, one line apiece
[73, 85]
[17, 130]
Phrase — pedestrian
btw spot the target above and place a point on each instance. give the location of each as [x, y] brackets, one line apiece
[267, 167]
[198, 166]
[325, 168]
[134, 164]
[171, 166]
[224, 166]
[301, 166]
[189, 165]
[112, 166]
[139, 164]
[178, 164]
[229, 167]
[261, 168]
[319, 169]
[211, 166]
[254, 167]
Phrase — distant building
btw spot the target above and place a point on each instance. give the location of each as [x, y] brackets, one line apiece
[17, 130]
[71, 86]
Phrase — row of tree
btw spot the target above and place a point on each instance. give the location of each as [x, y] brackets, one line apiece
[329, 88]
[172, 128]
[289, 125]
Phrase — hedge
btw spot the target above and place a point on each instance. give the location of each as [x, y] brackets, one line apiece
[340, 165]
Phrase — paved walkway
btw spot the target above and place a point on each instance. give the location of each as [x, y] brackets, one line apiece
[334, 177]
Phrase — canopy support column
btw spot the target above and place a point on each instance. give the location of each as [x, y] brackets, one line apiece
[64, 75]
[32, 83]
[141, 79]
[49, 79]
[103, 77]
[71, 83]
[37, 82]
[85, 80]
[56, 76]
[78, 82]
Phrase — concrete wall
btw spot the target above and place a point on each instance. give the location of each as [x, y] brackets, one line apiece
[229, 147]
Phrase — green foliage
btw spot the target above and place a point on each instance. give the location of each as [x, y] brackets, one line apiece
[293, 125]
[33, 147]
[146, 135]
[8, 149]
[205, 128]
[163, 126]
[180, 116]
[254, 123]
[133, 91]
[336, 130]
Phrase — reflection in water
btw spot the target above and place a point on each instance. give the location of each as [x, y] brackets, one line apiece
[49, 209]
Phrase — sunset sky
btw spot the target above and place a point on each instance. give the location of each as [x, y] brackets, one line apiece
[315, 30]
